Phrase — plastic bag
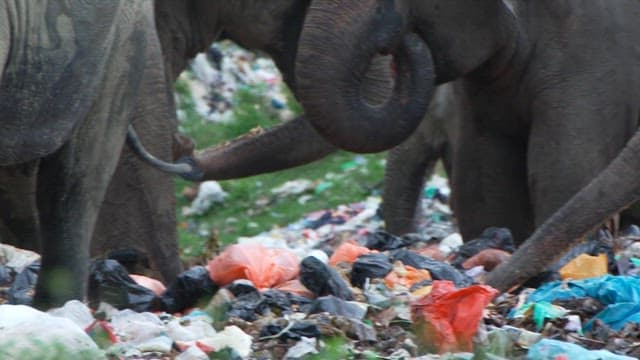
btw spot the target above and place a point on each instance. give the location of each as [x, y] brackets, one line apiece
[448, 318]
[337, 306]
[381, 240]
[154, 285]
[347, 252]
[188, 289]
[487, 258]
[110, 282]
[21, 291]
[405, 276]
[371, 266]
[264, 267]
[439, 270]
[619, 293]
[547, 349]
[295, 287]
[491, 238]
[323, 280]
[585, 266]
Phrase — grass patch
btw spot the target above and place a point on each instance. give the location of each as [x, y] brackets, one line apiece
[251, 208]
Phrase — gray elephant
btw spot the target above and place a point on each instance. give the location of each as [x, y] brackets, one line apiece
[549, 89]
[68, 93]
[99, 56]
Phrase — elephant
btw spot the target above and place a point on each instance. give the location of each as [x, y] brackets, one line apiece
[537, 80]
[69, 90]
[101, 56]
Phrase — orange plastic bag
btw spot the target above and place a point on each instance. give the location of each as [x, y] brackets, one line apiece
[446, 319]
[154, 285]
[585, 266]
[295, 287]
[488, 258]
[406, 276]
[264, 267]
[347, 252]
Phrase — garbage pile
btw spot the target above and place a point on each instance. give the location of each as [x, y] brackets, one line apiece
[336, 285]
[217, 75]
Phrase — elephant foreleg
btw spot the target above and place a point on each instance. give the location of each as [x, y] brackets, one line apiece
[18, 211]
[407, 167]
[488, 183]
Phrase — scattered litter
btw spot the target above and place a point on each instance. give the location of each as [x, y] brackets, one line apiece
[209, 193]
[293, 187]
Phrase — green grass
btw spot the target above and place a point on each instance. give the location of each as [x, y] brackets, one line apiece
[251, 208]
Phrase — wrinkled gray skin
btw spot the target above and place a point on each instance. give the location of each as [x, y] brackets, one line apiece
[68, 94]
[551, 92]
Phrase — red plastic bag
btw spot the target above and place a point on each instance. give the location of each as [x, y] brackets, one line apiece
[264, 267]
[347, 252]
[446, 319]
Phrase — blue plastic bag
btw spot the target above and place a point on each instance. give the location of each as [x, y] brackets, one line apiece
[547, 349]
[620, 294]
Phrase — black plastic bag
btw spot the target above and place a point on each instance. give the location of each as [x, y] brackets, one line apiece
[382, 241]
[373, 266]
[323, 280]
[438, 270]
[21, 291]
[188, 289]
[491, 238]
[109, 282]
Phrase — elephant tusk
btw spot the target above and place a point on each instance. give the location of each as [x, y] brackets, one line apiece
[185, 167]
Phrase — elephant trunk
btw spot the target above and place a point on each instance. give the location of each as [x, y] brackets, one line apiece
[611, 191]
[332, 61]
[291, 144]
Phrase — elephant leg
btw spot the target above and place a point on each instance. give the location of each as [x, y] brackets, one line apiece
[18, 210]
[139, 207]
[488, 183]
[407, 167]
[70, 189]
[138, 213]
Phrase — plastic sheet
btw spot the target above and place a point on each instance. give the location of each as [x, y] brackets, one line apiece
[621, 295]
[548, 349]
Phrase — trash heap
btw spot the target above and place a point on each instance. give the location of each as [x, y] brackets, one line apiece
[334, 285]
[217, 75]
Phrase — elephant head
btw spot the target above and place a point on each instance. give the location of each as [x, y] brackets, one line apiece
[432, 41]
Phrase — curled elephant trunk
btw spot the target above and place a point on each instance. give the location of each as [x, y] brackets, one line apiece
[336, 49]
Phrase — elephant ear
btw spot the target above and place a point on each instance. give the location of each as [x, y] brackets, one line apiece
[57, 68]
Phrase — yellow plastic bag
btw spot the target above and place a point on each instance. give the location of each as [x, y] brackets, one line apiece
[585, 266]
